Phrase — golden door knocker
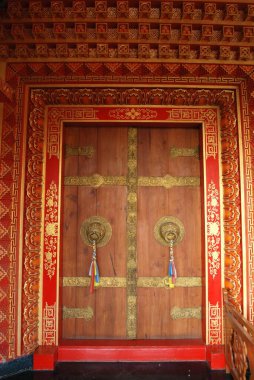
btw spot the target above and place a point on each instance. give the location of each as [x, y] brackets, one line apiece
[95, 232]
[169, 231]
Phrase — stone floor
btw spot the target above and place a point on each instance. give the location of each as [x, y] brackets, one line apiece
[127, 371]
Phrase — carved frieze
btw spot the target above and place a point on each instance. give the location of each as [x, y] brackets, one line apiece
[98, 26]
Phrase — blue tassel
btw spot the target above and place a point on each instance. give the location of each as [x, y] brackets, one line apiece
[170, 269]
[97, 275]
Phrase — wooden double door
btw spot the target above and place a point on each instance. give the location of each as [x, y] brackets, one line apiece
[131, 177]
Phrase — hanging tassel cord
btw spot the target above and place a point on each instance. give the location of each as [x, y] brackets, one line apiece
[94, 271]
[172, 274]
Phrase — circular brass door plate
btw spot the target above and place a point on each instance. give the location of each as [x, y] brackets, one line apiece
[168, 228]
[96, 229]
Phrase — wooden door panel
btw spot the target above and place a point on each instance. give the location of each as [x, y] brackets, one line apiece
[69, 230]
[152, 258]
[154, 147]
[111, 313]
[80, 203]
[108, 305]
[112, 151]
[109, 204]
[154, 202]
[154, 313]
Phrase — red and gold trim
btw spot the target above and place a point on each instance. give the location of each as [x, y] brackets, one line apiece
[207, 116]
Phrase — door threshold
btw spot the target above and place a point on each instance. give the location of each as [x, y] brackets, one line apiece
[152, 350]
[132, 350]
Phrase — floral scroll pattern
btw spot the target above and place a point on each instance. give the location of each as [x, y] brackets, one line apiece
[51, 230]
[213, 229]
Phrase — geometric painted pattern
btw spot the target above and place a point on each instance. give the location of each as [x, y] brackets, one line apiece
[3, 295]
[3, 252]
[4, 189]
[3, 274]
[2, 316]
[7, 271]
[2, 338]
[3, 231]
[3, 211]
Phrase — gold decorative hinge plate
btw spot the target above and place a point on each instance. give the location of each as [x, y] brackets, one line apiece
[75, 312]
[142, 282]
[186, 312]
[87, 151]
[184, 152]
[98, 180]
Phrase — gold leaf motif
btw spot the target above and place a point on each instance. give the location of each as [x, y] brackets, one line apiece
[95, 180]
[184, 152]
[105, 282]
[74, 312]
[132, 198]
[213, 229]
[142, 282]
[51, 230]
[162, 282]
[168, 181]
[185, 312]
[87, 151]
[131, 283]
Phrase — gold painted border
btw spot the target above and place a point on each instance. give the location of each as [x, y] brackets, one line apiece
[205, 234]
[132, 299]
[243, 206]
[21, 227]
[40, 295]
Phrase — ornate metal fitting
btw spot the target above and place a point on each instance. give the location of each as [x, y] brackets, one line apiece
[96, 230]
[168, 229]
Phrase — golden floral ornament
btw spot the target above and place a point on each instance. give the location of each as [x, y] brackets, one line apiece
[133, 113]
[213, 229]
[86, 313]
[51, 230]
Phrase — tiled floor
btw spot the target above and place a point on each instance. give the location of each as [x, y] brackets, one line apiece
[127, 371]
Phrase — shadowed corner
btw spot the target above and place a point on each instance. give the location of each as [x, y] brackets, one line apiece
[127, 371]
[3, 4]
